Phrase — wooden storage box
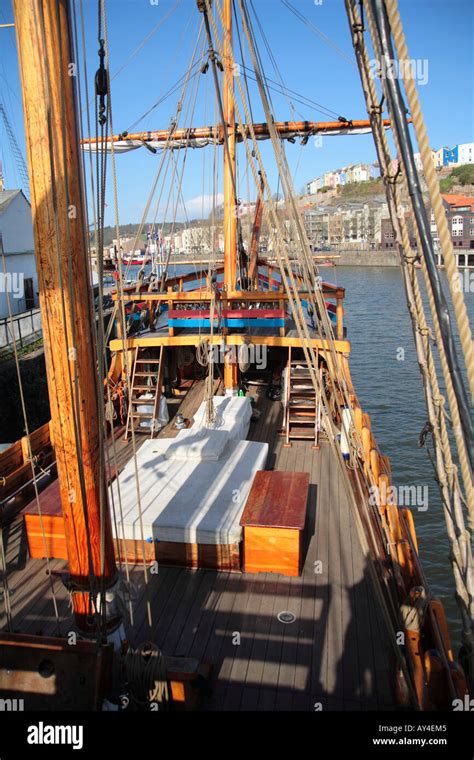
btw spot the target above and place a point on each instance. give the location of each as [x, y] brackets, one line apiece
[53, 543]
[274, 521]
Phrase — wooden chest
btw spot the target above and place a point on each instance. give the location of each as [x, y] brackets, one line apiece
[53, 542]
[273, 523]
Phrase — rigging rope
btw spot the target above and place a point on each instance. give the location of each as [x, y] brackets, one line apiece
[147, 38]
[184, 78]
[400, 126]
[99, 322]
[165, 156]
[146, 675]
[5, 583]
[446, 471]
[125, 353]
[296, 307]
[317, 31]
[293, 94]
[435, 195]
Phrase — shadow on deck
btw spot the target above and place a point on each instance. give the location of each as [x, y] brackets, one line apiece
[336, 655]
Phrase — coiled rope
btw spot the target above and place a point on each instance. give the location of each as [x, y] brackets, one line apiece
[146, 674]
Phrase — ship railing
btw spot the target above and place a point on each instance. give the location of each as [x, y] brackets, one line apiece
[393, 537]
[195, 306]
[24, 461]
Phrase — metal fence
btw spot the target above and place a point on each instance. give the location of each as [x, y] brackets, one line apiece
[23, 328]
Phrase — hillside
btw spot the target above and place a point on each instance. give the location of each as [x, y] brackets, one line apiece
[355, 191]
[130, 230]
[361, 190]
[459, 177]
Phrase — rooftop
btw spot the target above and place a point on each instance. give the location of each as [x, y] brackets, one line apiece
[455, 200]
[6, 197]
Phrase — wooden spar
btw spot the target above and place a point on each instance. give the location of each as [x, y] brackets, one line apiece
[283, 128]
[45, 55]
[257, 226]
[230, 178]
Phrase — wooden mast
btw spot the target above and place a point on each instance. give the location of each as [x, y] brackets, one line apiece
[45, 55]
[230, 200]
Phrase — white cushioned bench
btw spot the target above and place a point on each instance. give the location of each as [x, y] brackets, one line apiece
[188, 500]
[233, 413]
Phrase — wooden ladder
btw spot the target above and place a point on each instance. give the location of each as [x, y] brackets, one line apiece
[147, 377]
[302, 404]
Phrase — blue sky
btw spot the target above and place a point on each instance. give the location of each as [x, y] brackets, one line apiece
[437, 31]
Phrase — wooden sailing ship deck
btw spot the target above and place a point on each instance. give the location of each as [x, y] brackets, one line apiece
[331, 649]
[334, 656]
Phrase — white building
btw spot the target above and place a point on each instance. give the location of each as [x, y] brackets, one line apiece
[20, 282]
[344, 176]
[465, 153]
[458, 156]
[358, 173]
[313, 187]
[438, 157]
[201, 240]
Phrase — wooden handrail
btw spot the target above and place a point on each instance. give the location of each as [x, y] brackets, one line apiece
[193, 296]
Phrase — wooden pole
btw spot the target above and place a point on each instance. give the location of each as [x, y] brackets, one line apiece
[283, 128]
[230, 200]
[45, 54]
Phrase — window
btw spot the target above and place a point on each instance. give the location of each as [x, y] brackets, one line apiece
[29, 293]
[457, 225]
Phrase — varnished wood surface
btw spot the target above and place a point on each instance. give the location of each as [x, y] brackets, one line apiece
[273, 550]
[334, 656]
[43, 35]
[277, 499]
[49, 502]
[210, 556]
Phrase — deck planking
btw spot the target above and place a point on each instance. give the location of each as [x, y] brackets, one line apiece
[334, 655]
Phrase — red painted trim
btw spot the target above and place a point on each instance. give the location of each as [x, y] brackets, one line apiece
[227, 313]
